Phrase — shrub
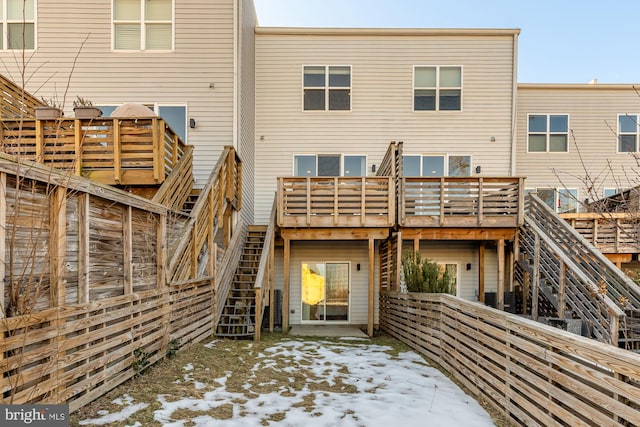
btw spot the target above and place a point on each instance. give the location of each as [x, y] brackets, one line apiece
[422, 275]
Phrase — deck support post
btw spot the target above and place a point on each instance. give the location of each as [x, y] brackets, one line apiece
[500, 274]
[481, 272]
[286, 285]
[371, 307]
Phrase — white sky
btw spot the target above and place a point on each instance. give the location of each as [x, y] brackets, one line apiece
[402, 391]
[562, 41]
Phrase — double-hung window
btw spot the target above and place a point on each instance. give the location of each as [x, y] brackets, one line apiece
[327, 88]
[329, 165]
[143, 24]
[548, 133]
[628, 133]
[18, 24]
[437, 88]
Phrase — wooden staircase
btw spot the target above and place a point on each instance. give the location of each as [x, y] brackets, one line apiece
[238, 316]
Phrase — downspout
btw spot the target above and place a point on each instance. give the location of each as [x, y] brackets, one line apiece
[514, 104]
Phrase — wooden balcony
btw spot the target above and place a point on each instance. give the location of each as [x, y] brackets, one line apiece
[336, 202]
[114, 151]
[611, 233]
[461, 202]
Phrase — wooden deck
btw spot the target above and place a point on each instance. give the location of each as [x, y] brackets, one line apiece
[611, 233]
[336, 202]
[114, 151]
[461, 202]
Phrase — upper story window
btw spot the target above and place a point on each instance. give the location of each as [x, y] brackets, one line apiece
[329, 165]
[436, 165]
[327, 88]
[548, 133]
[437, 88]
[628, 133]
[143, 24]
[18, 24]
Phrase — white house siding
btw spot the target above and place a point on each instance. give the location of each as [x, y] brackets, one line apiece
[593, 111]
[355, 252]
[463, 253]
[246, 105]
[382, 64]
[204, 37]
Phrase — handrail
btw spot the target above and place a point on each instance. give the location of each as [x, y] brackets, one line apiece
[176, 188]
[591, 260]
[264, 270]
[615, 314]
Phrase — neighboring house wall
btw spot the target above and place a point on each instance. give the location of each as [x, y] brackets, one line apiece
[382, 63]
[246, 105]
[203, 54]
[593, 111]
[354, 252]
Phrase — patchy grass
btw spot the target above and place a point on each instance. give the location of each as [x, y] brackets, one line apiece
[199, 369]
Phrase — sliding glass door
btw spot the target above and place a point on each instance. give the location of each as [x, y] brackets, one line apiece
[325, 292]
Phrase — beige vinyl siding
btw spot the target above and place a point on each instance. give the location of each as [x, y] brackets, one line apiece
[593, 113]
[246, 105]
[203, 55]
[354, 252]
[463, 253]
[381, 100]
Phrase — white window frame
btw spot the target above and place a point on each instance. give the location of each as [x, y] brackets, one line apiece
[437, 88]
[143, 33]
[327, 89]
[636, 118]
[548, 133]
[5, 26]
[446, 162]
[342, 156]
[557, 192]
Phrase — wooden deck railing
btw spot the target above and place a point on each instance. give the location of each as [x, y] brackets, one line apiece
[264, 285]
[336, 202]
[531, 373]
[611, 233]
[461, 202]
[15, 102]
[196, 247]
[109, 150]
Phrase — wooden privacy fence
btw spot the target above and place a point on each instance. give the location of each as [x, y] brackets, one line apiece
[85, 301]
[461, 202]
[15, 102]
[535, 375]
[336, 202]
[125, 151]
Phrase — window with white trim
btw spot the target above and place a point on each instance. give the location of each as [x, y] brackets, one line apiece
[327, 87]
[143, 24]
[436, 165]
[437, 88]
[18, 24]
[628, 131]
[548, 133]
[329, 165]
[564, 200]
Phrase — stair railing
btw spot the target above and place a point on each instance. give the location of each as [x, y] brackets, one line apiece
[229, 265]
[574, 268]
[264, 278]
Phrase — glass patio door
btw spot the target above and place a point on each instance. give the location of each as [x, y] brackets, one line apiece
[325, 292]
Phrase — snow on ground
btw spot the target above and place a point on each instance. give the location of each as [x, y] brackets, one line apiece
[380, 390]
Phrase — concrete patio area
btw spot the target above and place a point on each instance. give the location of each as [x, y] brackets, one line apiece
[327, 331]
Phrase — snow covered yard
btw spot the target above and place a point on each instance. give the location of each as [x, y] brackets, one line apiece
[289, 382]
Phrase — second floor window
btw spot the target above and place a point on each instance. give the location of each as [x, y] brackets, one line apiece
[627, 133]
[327, 88]
[548, 133]
[18, 24]
[143, 24]
[437, 89]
